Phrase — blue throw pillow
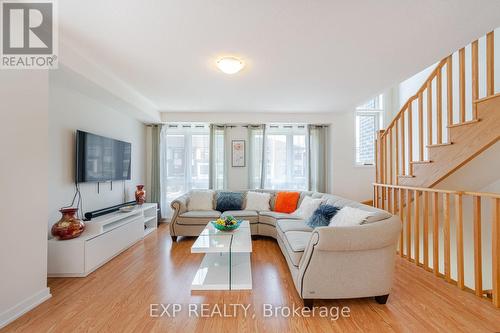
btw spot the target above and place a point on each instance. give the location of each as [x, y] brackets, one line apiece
[322, 216]
[229, 201]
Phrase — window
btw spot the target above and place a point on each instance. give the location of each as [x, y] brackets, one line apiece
[368, 122]
[286, 157]
[187, 159]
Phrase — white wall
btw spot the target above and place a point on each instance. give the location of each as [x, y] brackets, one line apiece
[344, 178]
[76, 103]
[23, 198]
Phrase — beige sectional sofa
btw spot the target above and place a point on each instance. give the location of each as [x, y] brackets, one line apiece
[325, 262]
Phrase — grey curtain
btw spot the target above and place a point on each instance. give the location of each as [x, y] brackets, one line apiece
[155, 191]
[318, 157]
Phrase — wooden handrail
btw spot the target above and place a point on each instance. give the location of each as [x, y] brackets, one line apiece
[429, 119]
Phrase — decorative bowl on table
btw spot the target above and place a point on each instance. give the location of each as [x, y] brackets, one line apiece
[227, 223]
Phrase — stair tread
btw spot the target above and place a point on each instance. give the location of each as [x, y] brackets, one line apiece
[406, 176]
[421, 162]
[439, 144]
[468, 122]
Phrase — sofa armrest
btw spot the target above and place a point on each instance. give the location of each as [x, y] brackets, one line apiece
[369, 236]
[179, 206]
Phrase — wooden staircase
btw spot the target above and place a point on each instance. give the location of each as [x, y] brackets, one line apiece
[432, 135]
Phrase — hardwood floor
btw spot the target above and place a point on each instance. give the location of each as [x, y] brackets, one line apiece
[117, 298]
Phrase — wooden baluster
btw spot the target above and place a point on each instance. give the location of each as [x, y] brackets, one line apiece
[403, 154]
[461, 63]
[390, 157]
[375, 196]
[435, 234]
[490, 64]
[389, 200]
[460, 240]
[396, 160]
[475, 78]
[426, 229]
[386, 180]
[478, 265]
[449, 91]
[495, 242]
[401, 216]
[408, 224]
[383, 197]
[410, 139]
[429, 113]
[446, 231]
[439, 108]
[416, 243]
[420, 127]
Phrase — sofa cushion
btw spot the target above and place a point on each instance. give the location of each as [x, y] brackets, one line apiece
[322, 216]
[293, 225]
[200, 200]
[286, 202]
[258, 201]
[228, 201]
[349, 216]
[271, 217]
[198, 217]
[249, 215]
[295, 243]
[308, 206]
[298, 240]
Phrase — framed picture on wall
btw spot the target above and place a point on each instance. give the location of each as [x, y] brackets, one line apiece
[238, 153]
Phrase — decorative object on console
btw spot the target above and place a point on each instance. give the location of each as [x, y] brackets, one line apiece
[322, 216]
[286, 202]
[228, 201]
[238, 153]
[258, 201]
[307, 207]
[201, 200]
[140, 195]
[69, 226]
[349, 216]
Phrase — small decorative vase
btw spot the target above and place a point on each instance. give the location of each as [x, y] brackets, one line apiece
[140, 195]
[69, 226]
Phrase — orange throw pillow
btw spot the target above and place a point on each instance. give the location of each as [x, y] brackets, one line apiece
[286, 202]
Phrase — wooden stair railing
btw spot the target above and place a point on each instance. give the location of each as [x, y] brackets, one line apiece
[430, 137]
[433, 226]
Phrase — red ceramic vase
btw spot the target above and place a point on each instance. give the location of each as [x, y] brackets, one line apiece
[69, 226]
[140, 195]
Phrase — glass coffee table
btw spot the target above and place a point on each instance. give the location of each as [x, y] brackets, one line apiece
[226, 265]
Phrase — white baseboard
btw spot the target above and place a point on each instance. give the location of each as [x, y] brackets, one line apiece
[21, 308]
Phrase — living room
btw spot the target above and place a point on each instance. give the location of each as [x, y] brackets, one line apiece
[221, 166]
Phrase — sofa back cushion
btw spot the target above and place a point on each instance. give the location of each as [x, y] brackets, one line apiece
[258, 201]
[229, 201]
[286, 202]
[201, 200]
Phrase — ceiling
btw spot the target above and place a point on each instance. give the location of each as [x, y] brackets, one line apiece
[301, 55]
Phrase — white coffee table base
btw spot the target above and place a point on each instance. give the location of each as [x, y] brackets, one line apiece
[214, 272]
[226, 265]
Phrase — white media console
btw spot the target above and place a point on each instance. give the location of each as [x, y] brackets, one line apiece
[104, 238]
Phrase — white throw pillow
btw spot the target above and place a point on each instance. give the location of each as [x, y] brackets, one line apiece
[201, 200]
[307, 207]
[258, 201]
[349, 216]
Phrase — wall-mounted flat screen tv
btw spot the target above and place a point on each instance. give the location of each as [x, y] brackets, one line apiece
[101, 159]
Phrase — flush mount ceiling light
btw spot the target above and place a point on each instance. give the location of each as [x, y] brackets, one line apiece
[230, 65]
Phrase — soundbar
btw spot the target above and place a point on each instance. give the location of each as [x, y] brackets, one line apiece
[90, 215]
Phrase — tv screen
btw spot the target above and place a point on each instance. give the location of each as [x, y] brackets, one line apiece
[100, 159]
